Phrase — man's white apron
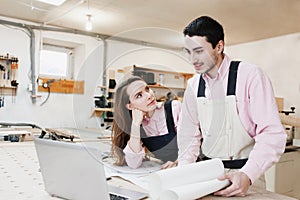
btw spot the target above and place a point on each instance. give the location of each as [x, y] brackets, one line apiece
[223, 134]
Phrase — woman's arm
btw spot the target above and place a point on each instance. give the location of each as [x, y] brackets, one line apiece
[134, 152]
[135, 138]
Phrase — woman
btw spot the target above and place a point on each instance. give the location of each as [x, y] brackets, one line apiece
[141, 122]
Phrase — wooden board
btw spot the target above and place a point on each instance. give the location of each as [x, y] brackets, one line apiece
[9, 91]
[280, 103]
[63, 86]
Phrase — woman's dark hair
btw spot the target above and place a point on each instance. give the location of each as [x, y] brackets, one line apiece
[205, 27]
[121, 127]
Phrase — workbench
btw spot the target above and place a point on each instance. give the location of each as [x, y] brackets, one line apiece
[22, 178]
[253, 193]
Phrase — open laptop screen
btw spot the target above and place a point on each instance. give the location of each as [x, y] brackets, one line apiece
[71, 171]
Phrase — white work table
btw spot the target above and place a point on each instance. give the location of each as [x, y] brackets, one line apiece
[20, 177]
[253, 193]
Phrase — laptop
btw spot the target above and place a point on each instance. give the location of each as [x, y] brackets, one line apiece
[74, 171]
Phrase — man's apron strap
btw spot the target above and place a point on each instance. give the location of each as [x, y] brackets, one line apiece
[201, 88]
[233, 68]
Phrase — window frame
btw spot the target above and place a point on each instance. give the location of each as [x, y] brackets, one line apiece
[59, 49]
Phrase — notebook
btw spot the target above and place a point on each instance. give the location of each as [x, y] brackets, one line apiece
[74, 171]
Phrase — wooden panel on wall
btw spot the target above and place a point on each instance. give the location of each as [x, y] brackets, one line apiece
[280, 103]
[62, 86]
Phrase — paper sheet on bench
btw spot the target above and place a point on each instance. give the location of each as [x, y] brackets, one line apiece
[147, 167]
[137, 176]
[188, 181]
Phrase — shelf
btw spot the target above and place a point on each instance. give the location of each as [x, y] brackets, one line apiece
[169, 81]
[162, 71]
[157, 72]
[103, 109]
[8, 90]
[165, 87]
[98, 111]
[101, 86]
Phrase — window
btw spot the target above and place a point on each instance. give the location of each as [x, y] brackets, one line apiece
[55, 62]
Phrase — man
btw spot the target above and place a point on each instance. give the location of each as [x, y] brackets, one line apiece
[229, 110]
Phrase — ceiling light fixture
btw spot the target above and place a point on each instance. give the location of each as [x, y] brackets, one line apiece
[53, 2]
[89, 25]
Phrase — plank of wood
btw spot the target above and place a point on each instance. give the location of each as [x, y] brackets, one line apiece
[63, 86]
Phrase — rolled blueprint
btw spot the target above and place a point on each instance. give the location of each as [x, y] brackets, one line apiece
[187, 182]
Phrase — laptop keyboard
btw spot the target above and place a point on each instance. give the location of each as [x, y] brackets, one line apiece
[117, 197]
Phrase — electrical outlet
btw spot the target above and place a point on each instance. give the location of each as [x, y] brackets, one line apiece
[40, 82]
[29, 88]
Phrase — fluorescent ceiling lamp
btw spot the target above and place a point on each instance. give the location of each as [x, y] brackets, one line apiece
[53, 2]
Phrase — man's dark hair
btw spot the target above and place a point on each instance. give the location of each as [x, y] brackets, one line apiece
[205, 27]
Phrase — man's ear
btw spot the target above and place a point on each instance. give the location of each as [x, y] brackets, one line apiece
[128, 106]
[220, 46]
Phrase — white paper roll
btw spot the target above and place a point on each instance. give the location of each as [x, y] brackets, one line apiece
[187, 181]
